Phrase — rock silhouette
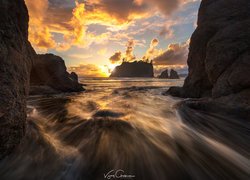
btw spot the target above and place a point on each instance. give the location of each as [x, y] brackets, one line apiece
[134, 69]
[15, 63]
[219, 57]
[50, 70]
[174, 74]
[164, 75]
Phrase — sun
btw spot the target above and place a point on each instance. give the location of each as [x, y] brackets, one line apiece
[106, 70]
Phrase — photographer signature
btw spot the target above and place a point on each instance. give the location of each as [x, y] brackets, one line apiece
[116, 174]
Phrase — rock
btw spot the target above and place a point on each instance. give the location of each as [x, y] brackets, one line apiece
[174, 74]
[16, 56]
[73, 76]
[134, 69]
[42, 90]
[50, 70]
[164, 74]
[219, 57]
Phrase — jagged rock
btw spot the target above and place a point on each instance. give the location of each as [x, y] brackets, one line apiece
[134, 69]
[174, 74]
[219, 57]
[164, 75]
[16, 56]
[74, 76]
[50, 70]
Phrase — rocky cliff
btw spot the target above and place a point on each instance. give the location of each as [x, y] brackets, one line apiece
[16, 56]
[50, 70]
[219, 57]
[134, 69]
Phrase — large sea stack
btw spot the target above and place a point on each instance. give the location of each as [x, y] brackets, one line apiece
[219, 57]
[16, 56]
[134, 69]
[49, 75]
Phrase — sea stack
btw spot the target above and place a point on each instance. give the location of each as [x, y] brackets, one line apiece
[219, 57]
[174, 74]
[49, 72]
[134, 69]
[15, 64]
[164, 75]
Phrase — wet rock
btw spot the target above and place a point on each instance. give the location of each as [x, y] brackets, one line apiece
[107, 114]
[41, 90]
[50, 70]
[219, 51]
[16, 56]
[134, 69]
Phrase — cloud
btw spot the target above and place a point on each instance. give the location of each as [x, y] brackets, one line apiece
[129, 55]
[152, 51]
[166, 7]
[88, 70]
[175, 54]
[40, 37]
[51, 18]
[116, 58]
[102, 51]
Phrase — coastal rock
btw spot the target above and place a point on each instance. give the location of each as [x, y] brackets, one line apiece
[219, 57]
[164, 74]
[73, 76]
[134, 69]
[174, 74]
[50, 70]
[16, 55]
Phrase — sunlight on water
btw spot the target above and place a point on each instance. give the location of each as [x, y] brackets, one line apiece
[128, 125]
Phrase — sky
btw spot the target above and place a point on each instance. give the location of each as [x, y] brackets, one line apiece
[93, 36]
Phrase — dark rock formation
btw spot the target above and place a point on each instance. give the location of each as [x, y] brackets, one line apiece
[219, 57]
[164, 75]
[73, 76]
[50, 70]
[16, 56]
[174, 74]
[134, 69]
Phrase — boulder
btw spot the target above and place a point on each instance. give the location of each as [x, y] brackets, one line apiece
[164, 74]
[50, 70]
[134, 69]
[16, 55]
[219, 57]
[174, 74]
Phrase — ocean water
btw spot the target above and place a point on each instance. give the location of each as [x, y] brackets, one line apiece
[126, 129]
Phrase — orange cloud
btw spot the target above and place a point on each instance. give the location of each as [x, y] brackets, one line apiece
[116, 58]
[152, 51]
[47, 18]
[89, 70]
[129, 55]
[175, 54]
[39, 37]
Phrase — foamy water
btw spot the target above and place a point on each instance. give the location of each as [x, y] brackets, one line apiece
[126, 129]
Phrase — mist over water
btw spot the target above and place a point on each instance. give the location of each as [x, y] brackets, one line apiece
[128, 125]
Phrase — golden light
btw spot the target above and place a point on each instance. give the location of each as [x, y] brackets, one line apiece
[106, 70]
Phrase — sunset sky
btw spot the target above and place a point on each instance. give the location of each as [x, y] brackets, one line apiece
[92, 36]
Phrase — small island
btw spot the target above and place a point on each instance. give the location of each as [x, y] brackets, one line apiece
[134, 69]
[173, 75]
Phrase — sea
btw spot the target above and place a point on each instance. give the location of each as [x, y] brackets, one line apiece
[125, 128]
